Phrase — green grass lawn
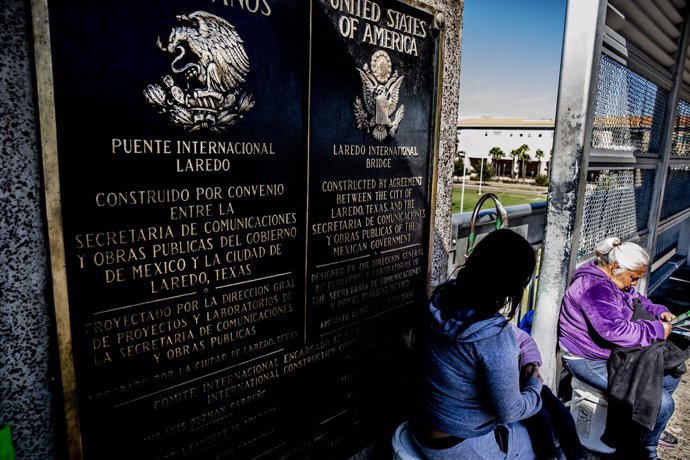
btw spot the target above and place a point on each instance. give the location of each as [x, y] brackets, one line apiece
[506, 199]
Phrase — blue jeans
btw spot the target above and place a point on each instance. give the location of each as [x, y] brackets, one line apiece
[485, 447]
[595, 373]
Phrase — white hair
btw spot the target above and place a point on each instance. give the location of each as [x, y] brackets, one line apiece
[628, 255]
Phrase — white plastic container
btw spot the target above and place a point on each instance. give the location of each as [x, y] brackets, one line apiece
[588, 407]
[403, 446]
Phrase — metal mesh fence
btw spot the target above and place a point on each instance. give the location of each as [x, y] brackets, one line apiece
[644, 189]
[677, 191]
[616, 204]
[681, 130]
[629, 111]
[666, 241]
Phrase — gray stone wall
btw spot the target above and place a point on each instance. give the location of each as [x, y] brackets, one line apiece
[30, 391]
[449, 94]
[29, 378]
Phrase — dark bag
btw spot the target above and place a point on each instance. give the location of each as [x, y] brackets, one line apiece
[677, 347]
[635, 385]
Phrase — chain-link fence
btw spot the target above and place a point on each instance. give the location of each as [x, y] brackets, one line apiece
[629, 117]
[629, 110]
[677, 191]
[616, 204]
[681, 130]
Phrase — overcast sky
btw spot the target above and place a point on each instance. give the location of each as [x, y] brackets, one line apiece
[511, 55]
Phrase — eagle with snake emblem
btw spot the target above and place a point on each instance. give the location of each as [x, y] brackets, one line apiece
[377, 111]
[203, 90]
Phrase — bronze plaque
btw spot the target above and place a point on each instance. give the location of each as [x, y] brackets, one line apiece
[239, 197]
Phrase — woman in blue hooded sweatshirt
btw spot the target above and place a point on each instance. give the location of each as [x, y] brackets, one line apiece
[470, 396]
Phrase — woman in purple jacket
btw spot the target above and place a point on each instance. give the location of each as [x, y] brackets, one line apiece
[596, 317]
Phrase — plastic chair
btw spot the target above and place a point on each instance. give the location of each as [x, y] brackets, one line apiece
[403, 446]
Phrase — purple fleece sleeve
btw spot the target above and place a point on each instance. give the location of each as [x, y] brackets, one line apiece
[529, 352]
[654, 309]
[611, 321]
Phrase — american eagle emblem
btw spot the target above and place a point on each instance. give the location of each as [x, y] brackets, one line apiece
[377, 111]
[203, 90]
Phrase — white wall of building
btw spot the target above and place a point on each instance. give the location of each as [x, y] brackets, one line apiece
[477, 141]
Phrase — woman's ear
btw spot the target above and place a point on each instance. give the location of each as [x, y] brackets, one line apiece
[616, 269]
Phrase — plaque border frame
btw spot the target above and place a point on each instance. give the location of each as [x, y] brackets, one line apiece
[47, 130]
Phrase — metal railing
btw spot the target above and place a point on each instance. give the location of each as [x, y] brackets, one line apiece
[526, 219]
[529, 220]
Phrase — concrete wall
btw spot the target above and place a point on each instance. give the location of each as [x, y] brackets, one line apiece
[29, 380]
[30, 392]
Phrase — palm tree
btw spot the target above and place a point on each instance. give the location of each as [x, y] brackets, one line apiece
[459, 163]
[518, 154]
[524, 156]
[496, 153]
[539, 154]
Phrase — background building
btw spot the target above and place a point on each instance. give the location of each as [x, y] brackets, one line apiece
[478, 136]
